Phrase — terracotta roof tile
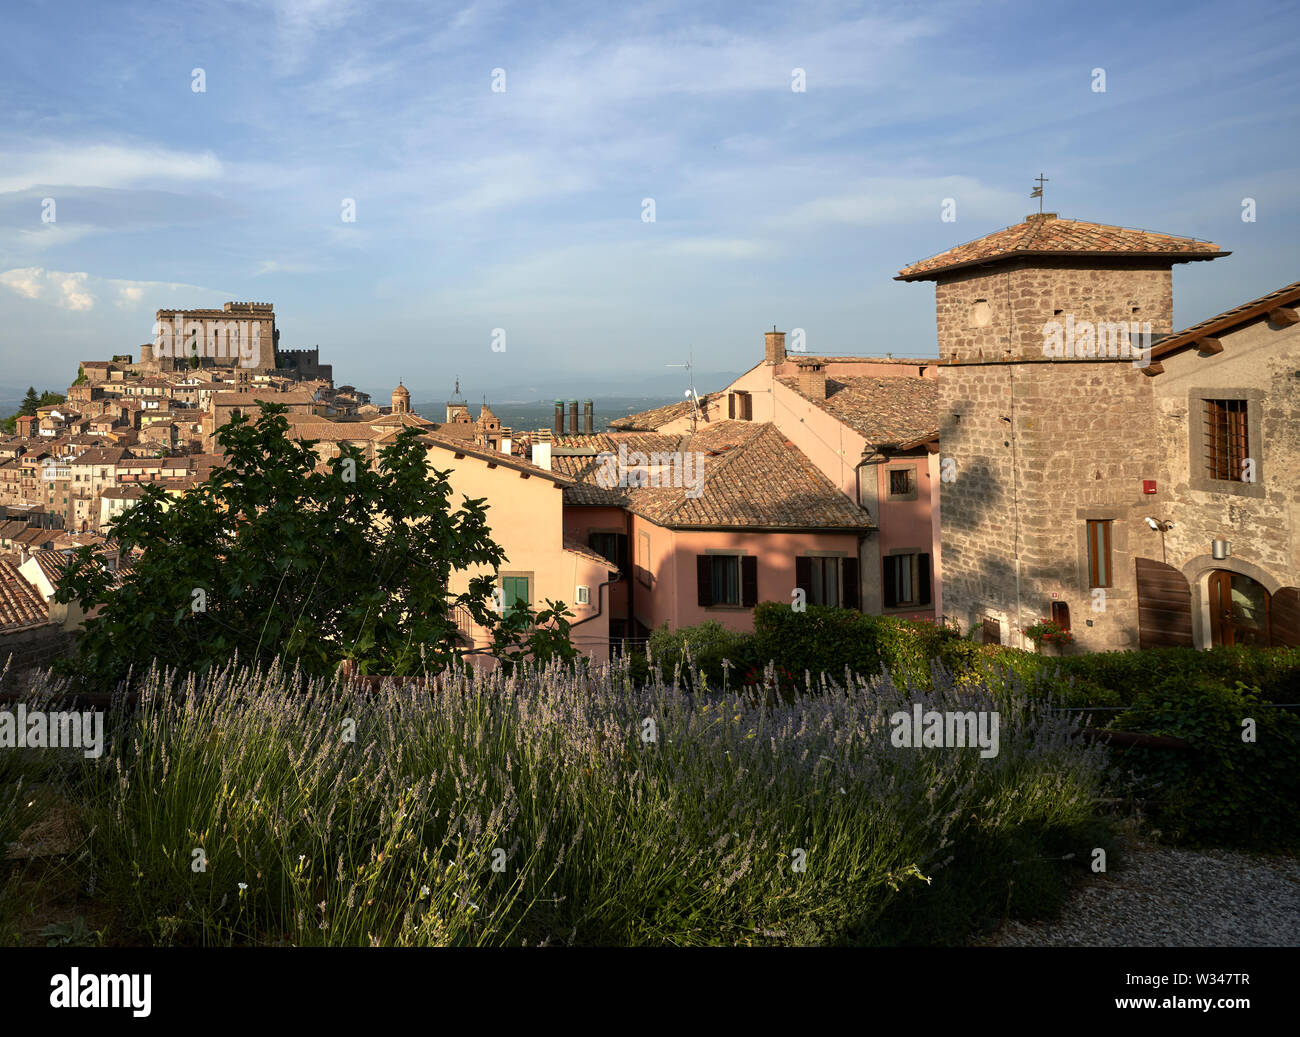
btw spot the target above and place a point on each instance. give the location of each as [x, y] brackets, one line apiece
[885, 411]
[21, 604]
[1038, 235]
[1286, 296]
[750, 476]
[650, 420]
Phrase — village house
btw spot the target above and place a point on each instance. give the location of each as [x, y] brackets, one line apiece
[1138, 500]
[868, 428]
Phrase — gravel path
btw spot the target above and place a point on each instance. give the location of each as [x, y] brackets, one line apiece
[1160, 897]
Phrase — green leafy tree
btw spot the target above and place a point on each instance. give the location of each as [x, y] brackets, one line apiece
[276, 560]
[539, 637]
[30, 402]
[49, 399]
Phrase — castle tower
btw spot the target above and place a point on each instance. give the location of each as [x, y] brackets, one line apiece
[1044, 400]
[401, 399]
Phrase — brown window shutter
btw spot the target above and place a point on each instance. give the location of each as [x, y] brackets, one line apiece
[803, 574]
[923, 590]
[850, 576]
[731, 405]
[704, 580]
[888, 585]
[748, 581]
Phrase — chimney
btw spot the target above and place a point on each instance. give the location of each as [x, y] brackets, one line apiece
[812, 379]
[774, 346]
[542, 449]
[559, 417]
[506, 440]
[1040, 216]
[588, 417]
[573, 417]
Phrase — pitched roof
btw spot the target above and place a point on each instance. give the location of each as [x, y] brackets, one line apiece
[52, 564]
[21, 604]
[650, 420]
[577, 547]
[885, 411]
[497, 457]
[1229, 320]
[748, 476]
[1046, 235]
[102, 455]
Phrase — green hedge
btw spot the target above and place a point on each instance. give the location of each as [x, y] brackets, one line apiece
[1226, 790]
[1223, 792]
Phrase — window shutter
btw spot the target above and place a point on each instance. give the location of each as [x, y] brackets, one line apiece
[731, 405]
[748, 581]
[890, 587]
[803, 574]
[923, 589]
[704, 580]
[850, 576]
[622, 553]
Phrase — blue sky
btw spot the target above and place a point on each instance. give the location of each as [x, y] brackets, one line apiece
[522, 209]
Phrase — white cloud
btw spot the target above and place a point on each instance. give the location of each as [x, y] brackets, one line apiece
[105, 165]
[77, 290]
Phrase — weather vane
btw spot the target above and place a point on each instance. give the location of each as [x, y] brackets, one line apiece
[1038, 192]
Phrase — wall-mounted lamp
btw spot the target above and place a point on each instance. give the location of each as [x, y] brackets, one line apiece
[1162, 527]
[1220, 549]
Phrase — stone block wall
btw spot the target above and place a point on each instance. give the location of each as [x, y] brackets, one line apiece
[1034, 450]
[1018, 299]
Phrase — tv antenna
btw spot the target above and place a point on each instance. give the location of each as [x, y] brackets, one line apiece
[691, 393]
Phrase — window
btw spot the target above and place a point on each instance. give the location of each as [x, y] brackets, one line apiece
[643, 557]
[900, 482]
[1227, 442]
[828, 580]
[907, 580]
[1099, 571]
[727, 580]
[610, 545]
[991, 631]
[516, 593]
[1061, 614]
[740, 406]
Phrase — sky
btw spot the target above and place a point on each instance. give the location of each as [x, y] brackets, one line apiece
[498, 159]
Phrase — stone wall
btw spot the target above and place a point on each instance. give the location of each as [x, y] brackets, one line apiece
[1020, 298]
[1081, 447]
[1261, 521]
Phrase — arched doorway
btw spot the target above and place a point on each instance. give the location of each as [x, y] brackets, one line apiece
[1239, 609]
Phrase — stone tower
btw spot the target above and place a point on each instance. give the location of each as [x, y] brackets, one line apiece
[1037, 441]
[401, 399]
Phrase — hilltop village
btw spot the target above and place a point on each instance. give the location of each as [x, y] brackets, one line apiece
[1135, 496]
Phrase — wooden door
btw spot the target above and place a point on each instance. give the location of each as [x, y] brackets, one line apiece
[1239, 610]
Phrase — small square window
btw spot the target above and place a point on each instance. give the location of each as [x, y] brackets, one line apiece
[901, 482]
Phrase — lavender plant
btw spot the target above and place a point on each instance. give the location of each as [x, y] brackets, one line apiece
[552, 806]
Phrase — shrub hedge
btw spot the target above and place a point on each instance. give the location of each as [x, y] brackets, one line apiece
[1224, 791]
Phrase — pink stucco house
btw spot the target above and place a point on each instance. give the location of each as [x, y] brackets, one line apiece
[813, 474]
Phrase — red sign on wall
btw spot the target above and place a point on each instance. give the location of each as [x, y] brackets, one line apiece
[1148, 486]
